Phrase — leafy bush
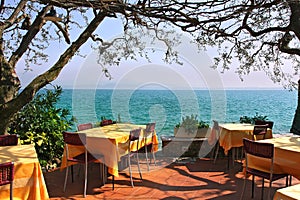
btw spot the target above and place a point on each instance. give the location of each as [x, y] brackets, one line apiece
[191, 123]
[41, 123]
[251, 120]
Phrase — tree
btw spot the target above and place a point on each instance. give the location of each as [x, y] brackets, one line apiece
[261, 34]
[41, 123]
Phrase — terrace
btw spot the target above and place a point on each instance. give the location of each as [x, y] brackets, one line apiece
[170, 179]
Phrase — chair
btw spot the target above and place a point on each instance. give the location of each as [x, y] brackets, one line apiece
[149, 133]
[216, 128]
[8, 140]
[233, 152]
[260, 130]
[134, 139]
[106, 122]
[260, 150]
[7, 175]
[79, 139]
[81, 127]
[262, 122]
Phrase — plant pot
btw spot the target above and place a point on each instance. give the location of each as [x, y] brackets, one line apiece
[199, 133]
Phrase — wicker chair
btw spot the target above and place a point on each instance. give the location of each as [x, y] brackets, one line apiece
[260, 150]
[8, 140]
[79, 139]
[7, 175]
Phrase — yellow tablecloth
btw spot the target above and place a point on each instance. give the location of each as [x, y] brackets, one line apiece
[232, 134]
[288, 193]
[112, 142]
[286, 156]
[29, 183]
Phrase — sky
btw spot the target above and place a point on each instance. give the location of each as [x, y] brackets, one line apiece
[195, 73]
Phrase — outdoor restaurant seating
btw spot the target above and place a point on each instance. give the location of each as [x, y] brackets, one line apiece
[79, 139]
[149, 133]
[262, 122]
[85, 126]
[106, 122]
[7, 175]
[216, 150]
[9, 140]
[216, 130]
[133, 147]
[265, 151]
[260, 131]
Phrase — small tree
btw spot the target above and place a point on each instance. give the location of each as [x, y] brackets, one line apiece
[41, 123]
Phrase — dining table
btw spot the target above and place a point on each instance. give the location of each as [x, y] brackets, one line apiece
[112, 142]
[286, 156]
[29, 183]
[231, 135]
[288, 193]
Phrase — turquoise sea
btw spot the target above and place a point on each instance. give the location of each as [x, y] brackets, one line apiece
[167, 107]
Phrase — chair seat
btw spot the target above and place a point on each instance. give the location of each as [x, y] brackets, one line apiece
[90, 158]
[265, 175]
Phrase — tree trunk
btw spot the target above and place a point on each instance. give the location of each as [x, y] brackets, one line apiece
[9, 87]
[11, 107]
[296, 122]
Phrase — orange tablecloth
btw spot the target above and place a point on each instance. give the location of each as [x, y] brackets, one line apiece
[288, 193]
[231, 135]
[29, 183]
[112, 142]
[286, 156]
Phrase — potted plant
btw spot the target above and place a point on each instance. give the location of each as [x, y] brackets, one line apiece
[252, 120]
[190, 126]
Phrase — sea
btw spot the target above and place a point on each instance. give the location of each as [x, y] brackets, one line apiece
[168, 107]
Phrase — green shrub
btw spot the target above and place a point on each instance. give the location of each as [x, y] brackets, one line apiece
[41, 123]
[251, 120]
[191, 123]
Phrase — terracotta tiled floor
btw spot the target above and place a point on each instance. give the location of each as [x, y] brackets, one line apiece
[199, 179]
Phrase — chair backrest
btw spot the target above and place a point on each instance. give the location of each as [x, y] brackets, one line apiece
[262, 122]
[106, 122]
[134, 134]
[81, 127]
[216, 125]
[150, 127]
[259, 149]
[78, 139]
[8, 140]
[6, 173]
[260, 129]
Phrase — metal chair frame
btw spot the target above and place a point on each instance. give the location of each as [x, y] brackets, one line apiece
[149, 132]
[79, 139]
[134, 137]
[7, 175]
[262, 150]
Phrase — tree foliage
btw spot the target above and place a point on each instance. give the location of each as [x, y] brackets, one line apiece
[41, 123]
[260, 34]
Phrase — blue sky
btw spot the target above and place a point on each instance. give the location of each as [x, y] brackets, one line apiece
[194, 73]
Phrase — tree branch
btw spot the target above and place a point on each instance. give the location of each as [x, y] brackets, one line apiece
[31, 33]
[42, 80]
